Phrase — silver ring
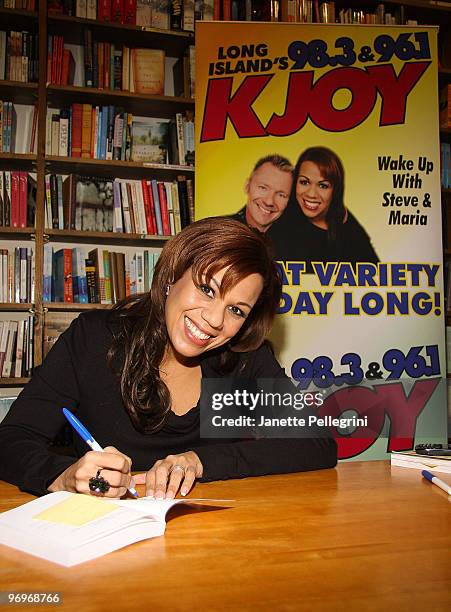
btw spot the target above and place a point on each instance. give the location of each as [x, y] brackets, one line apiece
[178, 467]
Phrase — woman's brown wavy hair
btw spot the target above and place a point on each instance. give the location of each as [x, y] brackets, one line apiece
[140, 335]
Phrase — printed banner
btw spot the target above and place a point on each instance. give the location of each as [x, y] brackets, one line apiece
[356, 226]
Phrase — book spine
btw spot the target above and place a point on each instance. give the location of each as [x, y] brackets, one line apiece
[164, 209]
[23, 183]
[15, 197]
[156, 203]
[77, 130]
[117, 207]
[86, 131]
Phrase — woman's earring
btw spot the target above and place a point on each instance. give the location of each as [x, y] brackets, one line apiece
[168, 287]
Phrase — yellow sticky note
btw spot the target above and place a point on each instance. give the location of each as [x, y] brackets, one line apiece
[77, 510]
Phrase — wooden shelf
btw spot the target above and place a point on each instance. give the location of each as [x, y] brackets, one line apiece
[14, 233]
[17, 161]
[72, 28]
[105, 237]
[156, 106]
[19, 92]
[13, 382]
[122, 169]
[69, 307]
[12, 306]
[12, 18]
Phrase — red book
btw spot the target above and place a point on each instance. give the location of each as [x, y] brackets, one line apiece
[117, 11]
[152, 207]
[104, 10]
[164, 209]
[68, 292]
[67, 76]
[54, 59]
[217, 10]
[23, 183]
[130, 11]
[59, 65]
[15, 199]
[147, 208]
[77, 113]
[226, 10]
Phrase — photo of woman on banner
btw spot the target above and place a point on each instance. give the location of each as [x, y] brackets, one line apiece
[316, 225]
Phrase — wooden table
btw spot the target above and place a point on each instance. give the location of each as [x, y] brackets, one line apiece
[360, 537]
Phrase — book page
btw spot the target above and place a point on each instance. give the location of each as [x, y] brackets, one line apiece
[77, 510]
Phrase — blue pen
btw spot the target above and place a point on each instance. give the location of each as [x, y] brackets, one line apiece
[436, 481]
[87, 437]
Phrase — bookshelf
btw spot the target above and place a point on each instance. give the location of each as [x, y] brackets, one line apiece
[43, 95]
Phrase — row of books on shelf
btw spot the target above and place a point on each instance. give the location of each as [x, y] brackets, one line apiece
[19, 56]
[107, 132]
[26, 5]
[16, 348]
[17, 275]
[99, 277]
[445, 165]
[17, 198]
[163, 14]
[146, 207]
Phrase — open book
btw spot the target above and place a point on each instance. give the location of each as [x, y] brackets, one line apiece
[70, 528]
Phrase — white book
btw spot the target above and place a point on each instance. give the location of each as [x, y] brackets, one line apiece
[134, 206]
[144, 13]
[63, 145]
[132, 268]
[413, 460]
[170, 206]
[125, 206]
[7, 366]
[23, 276]
[19, 348]
[188, 15]
[140, 208]
[3, 344]
[81, 8]
[176, 206]
[55, 135]
[139, 271]
[5, 277]
[91, 9]
[71, 528]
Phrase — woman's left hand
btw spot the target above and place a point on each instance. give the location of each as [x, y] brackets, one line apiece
[170, 474]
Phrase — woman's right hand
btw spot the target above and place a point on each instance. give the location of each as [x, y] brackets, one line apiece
[115, 468]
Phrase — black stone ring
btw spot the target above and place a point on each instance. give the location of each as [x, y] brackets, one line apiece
[98, 484]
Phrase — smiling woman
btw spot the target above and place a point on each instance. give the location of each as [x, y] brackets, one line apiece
[133, 377]
[316, 225]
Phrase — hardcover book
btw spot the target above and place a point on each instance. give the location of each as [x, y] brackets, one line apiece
[150, 141]
[94, 204]
[148, 71]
